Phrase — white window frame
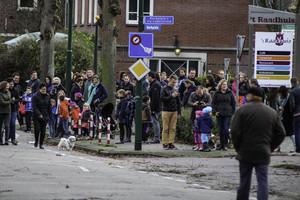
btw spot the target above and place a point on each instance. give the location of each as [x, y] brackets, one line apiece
[90, 12]
[82, 11]
[136, 21]
[75, 12]
[95, 10]
[27, 8]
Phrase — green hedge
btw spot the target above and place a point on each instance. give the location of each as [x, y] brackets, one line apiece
[184, 127]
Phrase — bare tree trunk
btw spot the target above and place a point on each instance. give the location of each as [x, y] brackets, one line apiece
[110, 9]
[49, 18]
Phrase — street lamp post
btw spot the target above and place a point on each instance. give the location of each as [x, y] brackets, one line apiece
[96, 46]
[69, 51]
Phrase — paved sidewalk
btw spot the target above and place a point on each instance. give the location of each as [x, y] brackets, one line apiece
[156, 149]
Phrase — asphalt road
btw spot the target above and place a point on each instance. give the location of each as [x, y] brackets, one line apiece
[30, 173]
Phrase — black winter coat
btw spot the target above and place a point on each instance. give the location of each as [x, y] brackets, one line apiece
[256, 131]
[169, 103]
[295, 100]
[14, 103]
[34, 84]
[75, 89]
[243, 88]
[120, 112]
[42, 106]
[224, 103]
[154, 94]
[127, 87]
[130, 110]
[187, 93]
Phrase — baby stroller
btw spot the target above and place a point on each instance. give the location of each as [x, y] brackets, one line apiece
[105, 111]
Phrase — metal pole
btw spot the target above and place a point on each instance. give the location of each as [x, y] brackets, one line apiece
[297, 47]
[237, 80]
[250, 61]
[139, 92]
[69, 51]
[96, 49]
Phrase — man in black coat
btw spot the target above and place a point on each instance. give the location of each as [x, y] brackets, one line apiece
[192, 77]
[42, 113]
[256, 131]
[295, 108]
[126, 85]
[34, 82]
[155, 104]
[14, 110]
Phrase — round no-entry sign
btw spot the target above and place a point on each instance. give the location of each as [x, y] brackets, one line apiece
[136, 39]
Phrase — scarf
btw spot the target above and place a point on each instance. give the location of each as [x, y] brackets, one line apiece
[92, 92]
[282, 102]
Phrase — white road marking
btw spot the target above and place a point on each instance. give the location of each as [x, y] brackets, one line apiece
[118, 166]
[169, 178]
[179, 180]
[84, 169]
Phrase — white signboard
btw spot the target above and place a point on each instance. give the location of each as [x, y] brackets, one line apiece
[260, 15]
[273, 59]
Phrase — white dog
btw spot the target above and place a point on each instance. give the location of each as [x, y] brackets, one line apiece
[67, 144]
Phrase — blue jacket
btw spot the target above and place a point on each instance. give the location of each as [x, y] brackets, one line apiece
[205, 123]
[100, 95]
[295, 100]
[28, 104]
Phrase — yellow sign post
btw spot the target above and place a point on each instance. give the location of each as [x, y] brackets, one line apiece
[139, 69]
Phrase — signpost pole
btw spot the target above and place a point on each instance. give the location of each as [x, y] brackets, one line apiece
[297, 47]
[250, 51]
[139, 92]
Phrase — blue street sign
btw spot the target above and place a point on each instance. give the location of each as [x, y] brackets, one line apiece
[159, 20]
[152, 27]
[140, 45]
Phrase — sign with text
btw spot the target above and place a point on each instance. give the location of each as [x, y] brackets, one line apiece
[273, 59]
[152, 27]
[260, 15]
[140, 45]
[139, 69]
[169, 20]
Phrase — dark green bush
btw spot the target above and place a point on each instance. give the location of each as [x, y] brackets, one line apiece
[184, 127]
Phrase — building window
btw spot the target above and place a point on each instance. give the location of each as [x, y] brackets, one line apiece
[27, 4]
[132, 10]
[82, 11]
[75, 12]
[95, 10]
[90, 12]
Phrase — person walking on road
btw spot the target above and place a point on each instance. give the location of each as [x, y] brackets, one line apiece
[295, 109]
[42, 113]
[256, 131]
[5, 110]
[155, 104]
[171, 111]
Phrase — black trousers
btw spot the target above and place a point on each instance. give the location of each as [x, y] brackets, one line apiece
[28, 117]
[39, 130]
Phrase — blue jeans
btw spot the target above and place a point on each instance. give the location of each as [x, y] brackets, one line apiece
[12, 125]
[223, 126]
[51, 129]
[205, 137]
[156, 126]
[297, 132]
[245, 181]
[65, 125]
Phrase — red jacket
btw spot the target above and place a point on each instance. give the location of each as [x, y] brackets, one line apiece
[75, 114]
[64, 109]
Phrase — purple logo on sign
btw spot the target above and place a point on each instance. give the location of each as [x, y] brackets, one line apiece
[279, 39]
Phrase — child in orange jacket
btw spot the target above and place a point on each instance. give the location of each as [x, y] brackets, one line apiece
[75, 110]
[64, 114]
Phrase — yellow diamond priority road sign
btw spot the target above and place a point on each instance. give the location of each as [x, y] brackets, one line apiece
[139, 69]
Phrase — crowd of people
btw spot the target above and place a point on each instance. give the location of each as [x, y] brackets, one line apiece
[45, 102]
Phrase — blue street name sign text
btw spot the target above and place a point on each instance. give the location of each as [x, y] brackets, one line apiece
[159, 20]
[152, 27]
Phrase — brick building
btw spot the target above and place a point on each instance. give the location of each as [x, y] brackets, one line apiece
[206, 32]
[18, 16]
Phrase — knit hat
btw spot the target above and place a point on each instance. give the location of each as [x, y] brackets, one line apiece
[72, 104]
[78, 94]
[207, 109]
[199, 112]
[255, 91]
